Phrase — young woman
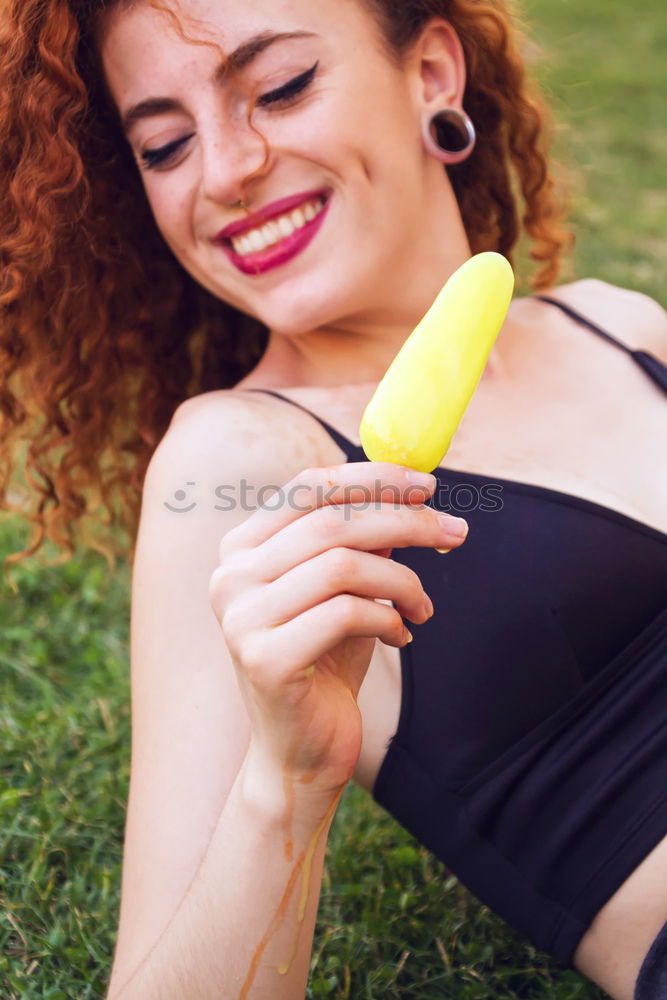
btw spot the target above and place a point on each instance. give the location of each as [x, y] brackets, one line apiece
[211, 205]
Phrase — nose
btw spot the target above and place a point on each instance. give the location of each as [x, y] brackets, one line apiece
[233, 154]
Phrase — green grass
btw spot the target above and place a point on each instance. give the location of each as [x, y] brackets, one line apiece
[605, 69]
[64, 725]
[392, 923]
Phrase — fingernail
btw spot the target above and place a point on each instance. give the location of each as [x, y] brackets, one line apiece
[428, 605]
[421, 479]
[443, 551]
[408, 636]
[455, 526]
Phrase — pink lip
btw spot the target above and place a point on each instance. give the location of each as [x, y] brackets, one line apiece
[282, 252]
[267, 213]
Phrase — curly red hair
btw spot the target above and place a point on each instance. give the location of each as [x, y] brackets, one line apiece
[102, 332]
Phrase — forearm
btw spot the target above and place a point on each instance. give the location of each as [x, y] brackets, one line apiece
[244, 929]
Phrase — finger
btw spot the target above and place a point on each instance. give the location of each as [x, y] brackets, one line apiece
[336, 571]
[355, 482]
[372, 527]
[268, 655]
[238, 573]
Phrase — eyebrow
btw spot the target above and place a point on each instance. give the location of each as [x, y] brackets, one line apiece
[238, 60]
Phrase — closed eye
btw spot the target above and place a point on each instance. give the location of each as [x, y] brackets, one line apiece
[152, 158]
[281, 96]
[290, 90]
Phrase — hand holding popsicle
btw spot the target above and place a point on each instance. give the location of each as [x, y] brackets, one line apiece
[311, 616]
[420, 402]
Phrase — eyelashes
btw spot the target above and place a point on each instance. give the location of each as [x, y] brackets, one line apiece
[289, 90]
[154, 157]
[279, 98]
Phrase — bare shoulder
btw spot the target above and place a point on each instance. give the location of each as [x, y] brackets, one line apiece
[235, 432]
[635, 318]
[239, 418]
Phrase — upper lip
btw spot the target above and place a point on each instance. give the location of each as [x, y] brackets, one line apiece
[271, 211]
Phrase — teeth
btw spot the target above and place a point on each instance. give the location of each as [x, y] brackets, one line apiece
[277, 229]
[285, 226]
[256, 240]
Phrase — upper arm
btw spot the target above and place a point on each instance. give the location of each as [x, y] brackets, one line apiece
[189, 727]
[634, 318]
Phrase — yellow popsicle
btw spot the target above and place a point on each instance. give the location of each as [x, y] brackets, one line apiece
[420, 402]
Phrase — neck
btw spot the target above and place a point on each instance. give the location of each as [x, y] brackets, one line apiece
[358, 352]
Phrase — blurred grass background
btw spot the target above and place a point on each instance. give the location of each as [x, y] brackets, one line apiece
[604, 67]
[392, 924]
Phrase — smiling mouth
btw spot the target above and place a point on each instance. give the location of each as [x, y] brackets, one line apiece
[269, 234]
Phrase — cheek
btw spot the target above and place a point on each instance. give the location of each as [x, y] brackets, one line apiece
[169, 206]
[385, 135]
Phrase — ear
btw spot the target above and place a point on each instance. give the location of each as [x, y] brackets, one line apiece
[438, 65]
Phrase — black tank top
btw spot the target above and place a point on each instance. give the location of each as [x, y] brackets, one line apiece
[531, 749]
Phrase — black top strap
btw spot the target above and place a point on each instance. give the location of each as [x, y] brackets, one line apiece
[654, 368]
[573, 314]
[341, 441]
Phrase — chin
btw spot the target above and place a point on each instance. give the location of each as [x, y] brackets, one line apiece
[293, 311]
[292, 326]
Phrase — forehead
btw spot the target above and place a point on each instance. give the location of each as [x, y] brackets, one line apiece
[230, 22]
[140, 42]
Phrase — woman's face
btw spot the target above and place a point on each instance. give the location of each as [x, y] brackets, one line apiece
[346, 192]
